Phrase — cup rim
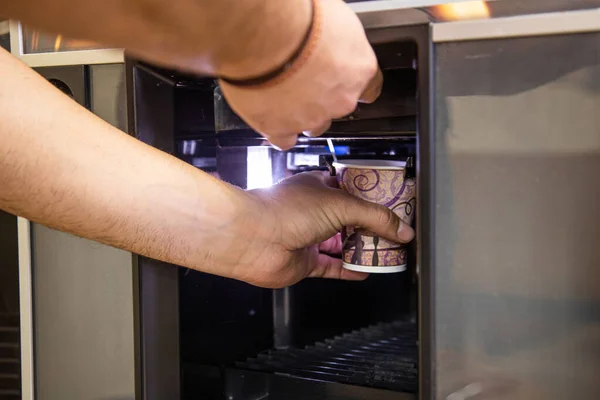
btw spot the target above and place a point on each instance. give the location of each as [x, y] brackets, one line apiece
[392, 165]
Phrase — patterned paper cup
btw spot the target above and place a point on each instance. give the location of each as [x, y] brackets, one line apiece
[383, 182]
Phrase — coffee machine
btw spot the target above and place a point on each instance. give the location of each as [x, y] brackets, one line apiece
[496, 103]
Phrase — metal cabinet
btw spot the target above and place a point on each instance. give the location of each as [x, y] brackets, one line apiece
[517, 150]
[82, 290]
[76, 295]
[39, 49]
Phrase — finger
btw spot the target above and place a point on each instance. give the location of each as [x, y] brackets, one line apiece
[330, 181]
[376, 218]
[318, 131]
[332, 245]
[323, 177]
[373, 90]
[331, 268]
[283, 142]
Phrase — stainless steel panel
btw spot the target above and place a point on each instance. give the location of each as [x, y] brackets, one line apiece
[25, 309]
[506, 8]
[107, 93]
[83, 318]
[27, 47]
[16, 40]
[394, 13]
[35, 41]
[71, 80]
[4, 27]
[83, 294]
[559, 23]
[517, 287]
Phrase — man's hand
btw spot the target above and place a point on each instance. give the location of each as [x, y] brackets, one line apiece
[290, 232]
[236, 39]
[341, 72]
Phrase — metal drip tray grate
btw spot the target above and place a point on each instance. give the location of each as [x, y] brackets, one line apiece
[10, 364]
[382, 356]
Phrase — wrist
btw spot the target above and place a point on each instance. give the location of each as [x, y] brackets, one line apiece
[268, 39]
[226, 228]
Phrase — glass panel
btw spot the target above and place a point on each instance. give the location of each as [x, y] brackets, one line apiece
[517, 191]
[36, 42]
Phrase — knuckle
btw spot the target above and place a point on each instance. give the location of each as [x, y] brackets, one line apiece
[352, 210]
[263, 129]
[386, 216]
[283, 141]
[347, 105]
[371, 68]
[317, 128]
[283, 145]
[344, 208]
[341, 204]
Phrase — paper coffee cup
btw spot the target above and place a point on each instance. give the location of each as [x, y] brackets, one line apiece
[383, 182]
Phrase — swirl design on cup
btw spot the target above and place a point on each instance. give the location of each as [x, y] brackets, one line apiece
[405, 208]
[365, 182]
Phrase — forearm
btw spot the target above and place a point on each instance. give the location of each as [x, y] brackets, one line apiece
[65, 168]
[234, 38]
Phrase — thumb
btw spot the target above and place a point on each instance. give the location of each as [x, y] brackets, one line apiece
[373, 90]
[377, 219]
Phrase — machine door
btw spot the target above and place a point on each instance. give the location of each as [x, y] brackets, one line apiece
[516, 309]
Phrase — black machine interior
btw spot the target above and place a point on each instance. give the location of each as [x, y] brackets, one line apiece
[235, 337]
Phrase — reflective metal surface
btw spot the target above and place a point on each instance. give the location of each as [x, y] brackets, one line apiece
[511, 8]
[26, 309]
[382, 356]
[255, 385]
[83, 291]
[35, 41]
[37, 49]
[394, 13]
[517, 153]
[71, 80]
[557, 23]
